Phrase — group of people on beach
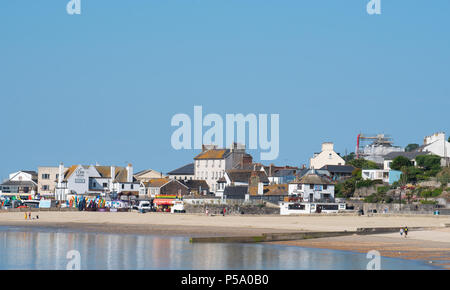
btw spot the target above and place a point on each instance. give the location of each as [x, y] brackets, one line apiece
[224, 211]
[404, 231]
[28, 216]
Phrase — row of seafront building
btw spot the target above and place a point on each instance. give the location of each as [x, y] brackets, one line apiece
[223, 173]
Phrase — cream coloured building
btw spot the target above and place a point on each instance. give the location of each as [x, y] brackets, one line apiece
[48, 180]
[326, 157]
[211, 163]
[146, 175]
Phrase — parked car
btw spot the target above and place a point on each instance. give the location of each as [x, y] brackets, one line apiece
[144, 206]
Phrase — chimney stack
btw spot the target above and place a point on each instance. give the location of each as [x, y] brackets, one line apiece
[61, 174]
[130, 173]
[113, 173]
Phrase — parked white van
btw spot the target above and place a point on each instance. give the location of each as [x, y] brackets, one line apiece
[178, 207]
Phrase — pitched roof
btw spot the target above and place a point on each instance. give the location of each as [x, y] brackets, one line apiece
[196, 184]
[22, 183]
[243, 175]
[276, 189]
[313, 178]
[187, 169]
[105, 171]
[121, 173]
[339, 168]
[273, 189]
[30, 172]
[212, 154]
[284, 172]
[157, 182]
[143, 172]
[70, 171]
[409, 155]
[235, 192]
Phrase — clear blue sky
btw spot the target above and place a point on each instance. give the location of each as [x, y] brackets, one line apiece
[103, 86]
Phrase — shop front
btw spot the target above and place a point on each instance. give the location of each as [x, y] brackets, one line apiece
[164, 203]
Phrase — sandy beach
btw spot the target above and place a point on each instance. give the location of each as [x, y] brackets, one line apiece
[431, 244]
[130, 222]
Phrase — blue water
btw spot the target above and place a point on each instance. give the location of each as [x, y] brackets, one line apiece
[45, 248]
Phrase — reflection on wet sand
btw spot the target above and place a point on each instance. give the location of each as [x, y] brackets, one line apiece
[47, 249]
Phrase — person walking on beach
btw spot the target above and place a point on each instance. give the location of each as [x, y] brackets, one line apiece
[224, 211]
[26, 215]
[207, 212]
[406, 232]
[29, 215]
[401, 232]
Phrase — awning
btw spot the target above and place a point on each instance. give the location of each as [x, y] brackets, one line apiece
[163, 201]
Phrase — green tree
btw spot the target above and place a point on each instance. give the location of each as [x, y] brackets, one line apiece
[444, 176]
[363, 164]
[399, 162]
[346, 189]
[349, 157]
[411, 174]
[411, 147]
[429, 162]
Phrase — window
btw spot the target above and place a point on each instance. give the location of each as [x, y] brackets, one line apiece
[325, 187]
[105, 184]
[123, 186]
[132, 186]
[311, 186]
[45, 187]
[45, 176]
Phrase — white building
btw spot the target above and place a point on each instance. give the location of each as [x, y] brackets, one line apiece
[326, 157]
[157, 186]
[21, 183]
[211, 163]
[96, 180]
[313, 188]
[437, 144]
[146, 175]
[239, 178]
[185, 172]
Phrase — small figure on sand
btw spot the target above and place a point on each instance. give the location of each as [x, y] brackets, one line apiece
[26, 215]
[207, 212]
[401, 232]
[406, 232]
[224, 211]
[29, 215]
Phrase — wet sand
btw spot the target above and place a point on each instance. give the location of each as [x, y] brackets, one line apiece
[430, 246]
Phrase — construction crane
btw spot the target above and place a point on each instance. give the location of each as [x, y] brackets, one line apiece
[378, 140]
